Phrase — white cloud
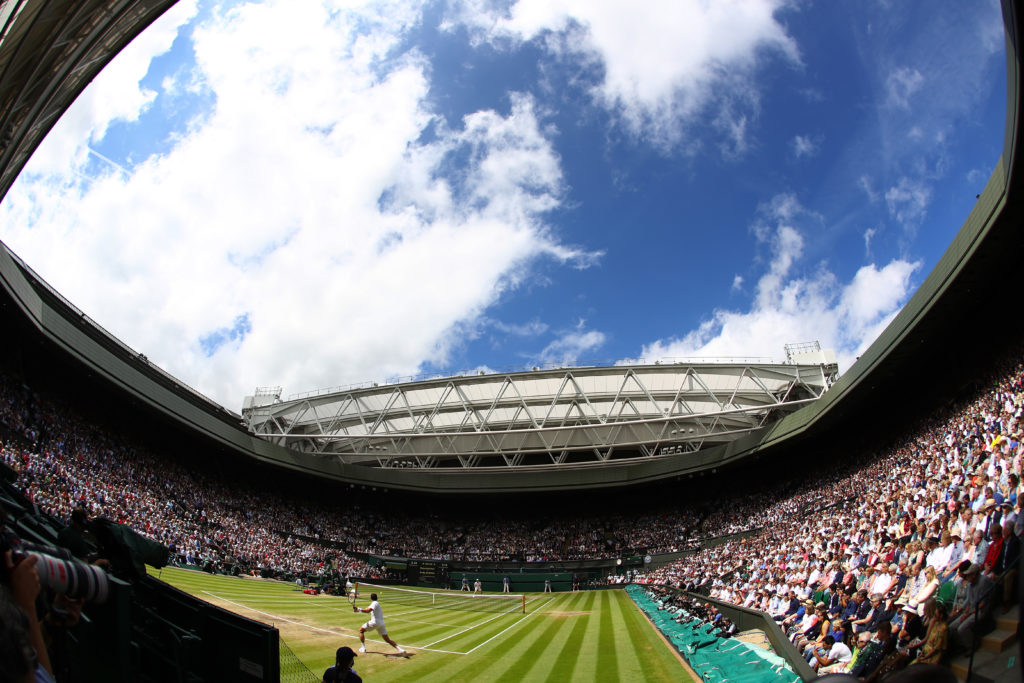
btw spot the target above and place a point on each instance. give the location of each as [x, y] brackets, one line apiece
[902, 84]
[534, 328]
[908, 201]
[572, 346]
[805, 146]
[869, 235]
[864, 182]
[301, 232]
[978, 178]
[788, 307]
[660, 68]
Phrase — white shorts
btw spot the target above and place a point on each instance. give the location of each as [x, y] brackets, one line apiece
[374, 626]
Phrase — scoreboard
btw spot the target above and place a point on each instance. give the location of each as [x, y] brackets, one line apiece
[433, 572]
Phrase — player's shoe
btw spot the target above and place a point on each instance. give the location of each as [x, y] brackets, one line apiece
[362, 649]
[401, 651]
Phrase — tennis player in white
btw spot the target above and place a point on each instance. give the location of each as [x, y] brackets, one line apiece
[376, 623]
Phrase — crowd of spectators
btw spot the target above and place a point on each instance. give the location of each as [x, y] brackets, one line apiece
[914, 533]
[65, 461]
[692, 610]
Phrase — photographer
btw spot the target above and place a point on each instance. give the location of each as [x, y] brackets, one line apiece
[31, 660]
[27, 569]
[77, 537]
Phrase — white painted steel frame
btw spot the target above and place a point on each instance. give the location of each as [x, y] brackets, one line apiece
[590, 414]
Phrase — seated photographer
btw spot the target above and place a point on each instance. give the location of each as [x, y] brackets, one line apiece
[25, 657]
[78, 538]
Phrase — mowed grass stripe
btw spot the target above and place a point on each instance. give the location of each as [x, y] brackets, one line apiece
[659, 660]
[559, 639]
[464, 642]
[607, 657]
[470, 668]
[490, 661]
[414, 627]
[585, 668]
[461, 638]
[432, 620]
[565, 661]
[533, 656]
[635, 661]
[646, 651]
[495, 658]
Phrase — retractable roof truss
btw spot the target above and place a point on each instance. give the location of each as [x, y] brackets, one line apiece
[546, 417]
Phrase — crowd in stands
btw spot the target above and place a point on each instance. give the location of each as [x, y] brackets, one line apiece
[67, 462]
[910, 549]
[692, 609]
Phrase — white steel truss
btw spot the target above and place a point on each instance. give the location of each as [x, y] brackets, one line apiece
[554, 417]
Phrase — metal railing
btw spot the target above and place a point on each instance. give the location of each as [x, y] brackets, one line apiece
[977, 634]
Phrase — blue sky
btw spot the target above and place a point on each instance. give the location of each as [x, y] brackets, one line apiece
[312, 194]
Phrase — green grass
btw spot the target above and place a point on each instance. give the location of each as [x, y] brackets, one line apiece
[586, 636]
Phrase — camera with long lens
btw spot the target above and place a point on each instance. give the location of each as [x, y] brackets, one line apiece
[59, 571]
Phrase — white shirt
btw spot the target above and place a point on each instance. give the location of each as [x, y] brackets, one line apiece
[840, 653]
[939, 558]
[378, 613]
[880, 583]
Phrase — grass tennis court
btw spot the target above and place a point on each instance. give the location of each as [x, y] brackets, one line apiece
[586, 636]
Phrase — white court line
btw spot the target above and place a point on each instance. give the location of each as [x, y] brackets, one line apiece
[401, 616]
[470, 629]
[412, 611]
[323, 630]
[255, 598]
[510, 627]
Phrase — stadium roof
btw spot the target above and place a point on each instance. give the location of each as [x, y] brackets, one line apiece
[962, 314]
[542, 418]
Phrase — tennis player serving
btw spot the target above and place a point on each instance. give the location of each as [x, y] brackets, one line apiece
[376, 623]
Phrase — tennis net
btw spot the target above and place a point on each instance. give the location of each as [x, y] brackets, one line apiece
[447, 600]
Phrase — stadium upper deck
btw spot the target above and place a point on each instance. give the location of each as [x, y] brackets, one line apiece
[543, 417]
[964, 311]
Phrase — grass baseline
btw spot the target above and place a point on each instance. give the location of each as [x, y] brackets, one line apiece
[560, 638]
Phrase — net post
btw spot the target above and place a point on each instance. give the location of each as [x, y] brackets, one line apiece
[524, 603]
